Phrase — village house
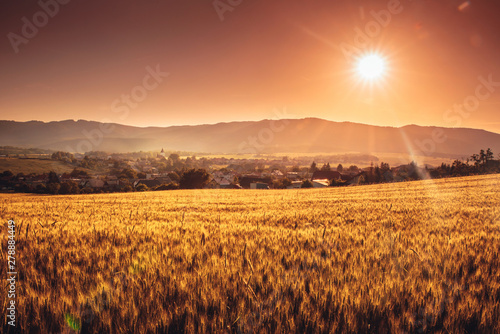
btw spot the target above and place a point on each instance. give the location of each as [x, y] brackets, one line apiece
[277, 174]
[163, 178]
[259, 185]
[222, 180]
[92, 183]
[295, 185]
[326, 175]
[354, 179]
[320, 183]
[247, 180]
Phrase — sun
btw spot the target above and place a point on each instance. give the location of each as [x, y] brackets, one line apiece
[371, 67]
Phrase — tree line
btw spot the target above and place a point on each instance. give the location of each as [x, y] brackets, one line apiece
[189, 179]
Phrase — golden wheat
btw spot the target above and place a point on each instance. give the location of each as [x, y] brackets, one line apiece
[391, 258]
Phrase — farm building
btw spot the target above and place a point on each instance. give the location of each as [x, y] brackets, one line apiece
[259, 185]
[295, 185]
[321, 183]
[326, 175]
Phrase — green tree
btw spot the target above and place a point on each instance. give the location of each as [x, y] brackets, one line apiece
[189, 163]
[458, 168]
[326, 167]
[53, 188]
[489, 155]
[62, 156]
[22, 187]
[384, 167]
[340, 168]
[174, 176]
[128, 173]
[477, 160]
[7, 174]
[282, 184]
[338, 183]
[306, 184]
[79, 173]
[194, 179]
[174, 157]
[377, 174]
[142, 187]
[41, 188]
[170, 186]
[88, 162]
[482, 157]
[313, 168]
[53, 178]
[69, 187]
[128, 188]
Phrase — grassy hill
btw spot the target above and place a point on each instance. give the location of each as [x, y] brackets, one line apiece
[38, 166]
[391, 258]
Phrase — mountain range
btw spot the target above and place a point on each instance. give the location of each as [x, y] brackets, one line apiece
[308, 135]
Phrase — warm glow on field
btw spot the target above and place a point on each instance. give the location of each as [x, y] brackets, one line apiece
[405, 257]
[371, 67]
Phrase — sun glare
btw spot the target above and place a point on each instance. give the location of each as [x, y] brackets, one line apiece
[371, 67]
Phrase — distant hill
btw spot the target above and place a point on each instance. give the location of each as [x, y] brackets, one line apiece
[309, 135]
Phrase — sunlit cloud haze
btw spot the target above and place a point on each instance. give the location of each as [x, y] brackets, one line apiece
[263, 55]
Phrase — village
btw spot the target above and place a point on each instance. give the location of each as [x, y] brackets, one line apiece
[97, 172]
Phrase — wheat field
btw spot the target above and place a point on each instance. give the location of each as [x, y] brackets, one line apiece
[415, 257]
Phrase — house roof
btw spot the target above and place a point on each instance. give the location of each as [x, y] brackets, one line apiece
[324, 174]
[323, 182]
[163, 179]
[346, 177]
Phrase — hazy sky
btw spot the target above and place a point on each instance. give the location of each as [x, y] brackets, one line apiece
[93, 60]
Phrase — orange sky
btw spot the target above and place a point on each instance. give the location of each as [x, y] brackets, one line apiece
[263, 55]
